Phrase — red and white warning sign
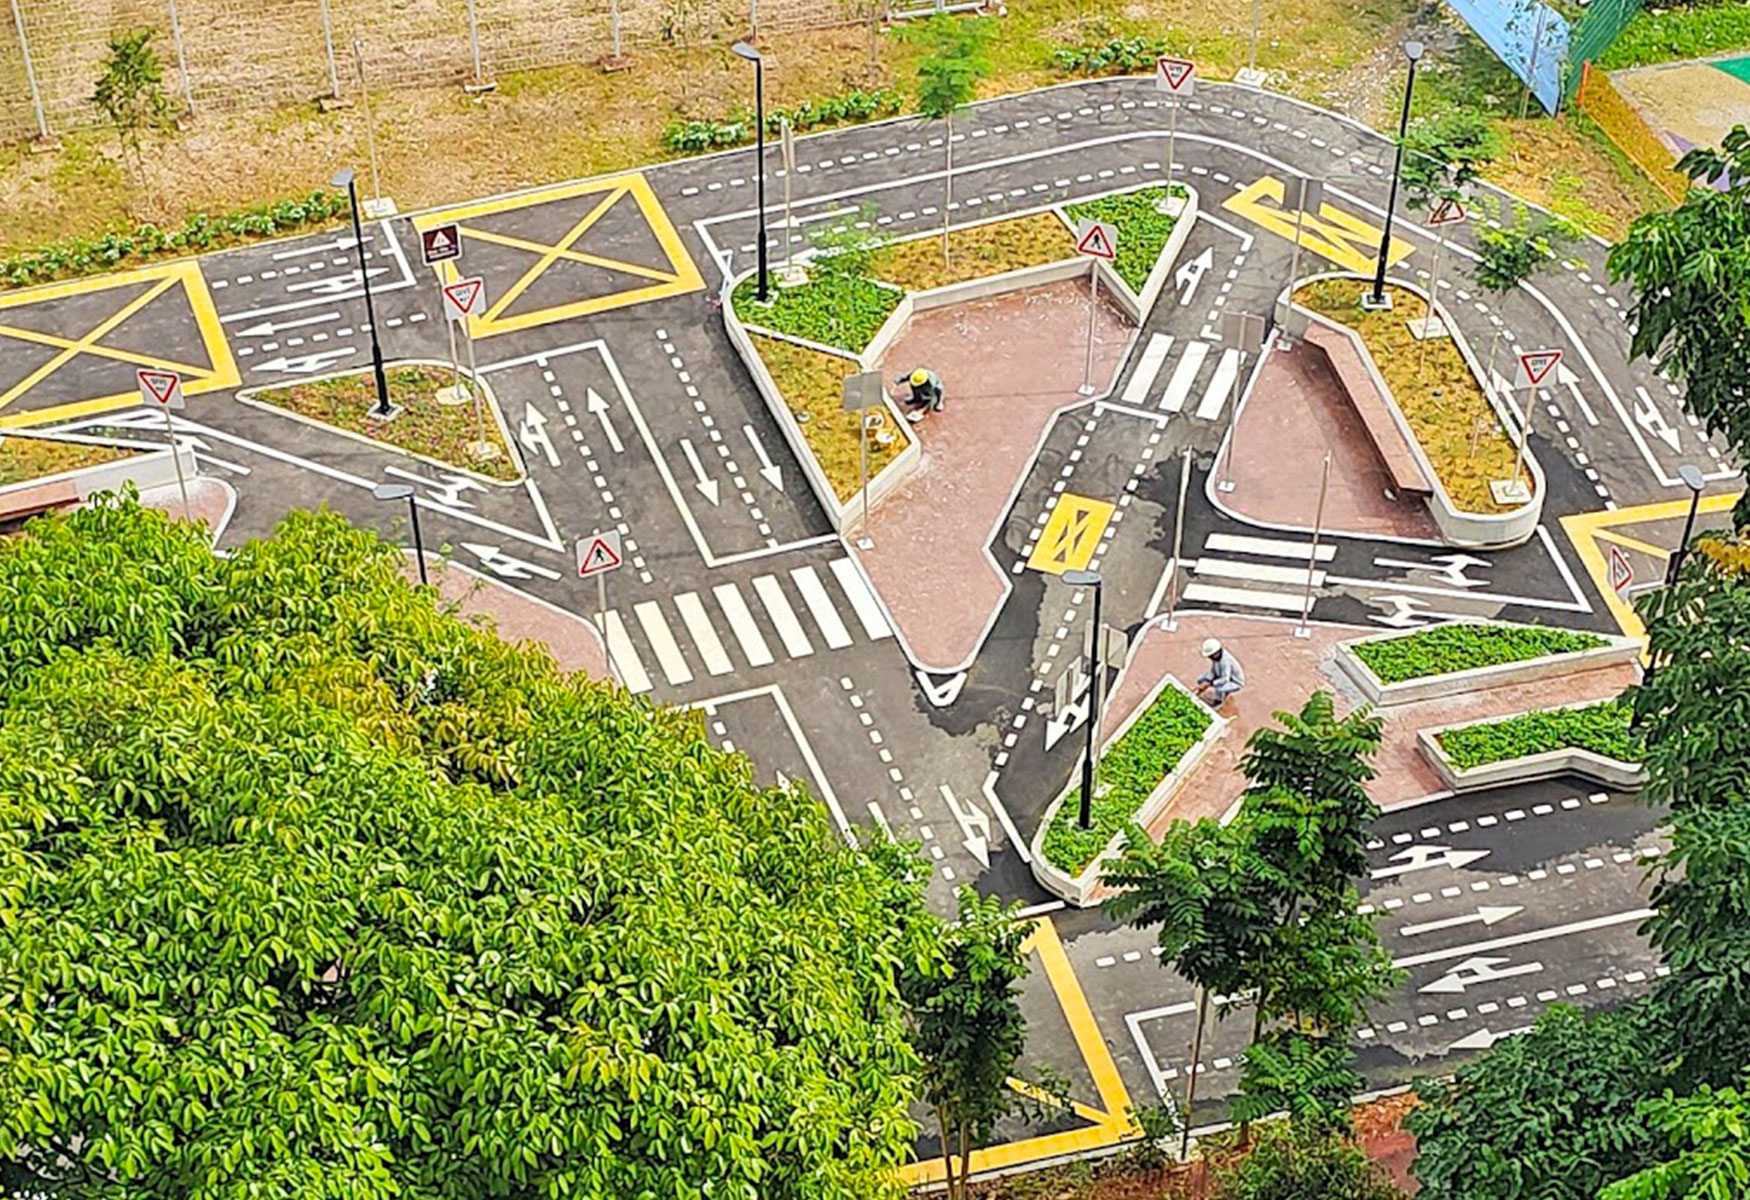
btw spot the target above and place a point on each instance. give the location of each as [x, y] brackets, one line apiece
[1535, 366]
[1176, 75]
[162, 388]
[465, 298]
[598, 553]
[441, 243]
[1450, 211]
[1622, 571]
[1097, 239]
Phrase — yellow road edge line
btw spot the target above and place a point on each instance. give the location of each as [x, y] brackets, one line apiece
[68, 412]
[1583, 530]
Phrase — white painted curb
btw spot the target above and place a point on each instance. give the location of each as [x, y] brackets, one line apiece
[1528, 768]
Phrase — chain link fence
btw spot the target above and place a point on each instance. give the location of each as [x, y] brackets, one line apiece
[221, 54]
[1592, 35]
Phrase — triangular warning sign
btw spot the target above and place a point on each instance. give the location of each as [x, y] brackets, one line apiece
[1622, 572]
[1097, 243]
[158, 385]
[1174, 72]
[464, 294]
[1449, 211]
[597, 557]
[1535, 365]
[440, 241]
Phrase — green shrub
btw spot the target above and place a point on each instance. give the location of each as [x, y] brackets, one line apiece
[697, 137]
[833, 308]
[1142, 231]
[1443, 649]
[1289, 1163]
[1600, 728]
[1129, 771]
[78, 256]
[1683, 31]
[1119, 56]
[739, 127]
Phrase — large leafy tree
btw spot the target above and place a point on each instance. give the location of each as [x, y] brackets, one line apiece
[1710, 1134]
[309, 889]
[948, 74]
[1690, 269]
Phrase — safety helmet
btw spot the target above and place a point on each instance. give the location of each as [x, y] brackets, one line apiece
[1211, 647]
[919, 377]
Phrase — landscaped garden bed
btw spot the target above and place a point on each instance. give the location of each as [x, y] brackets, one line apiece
[976, 252]
[1143, 230]
[1589, 739]
[1442, 660]
[23, 459]
[1140, 768]
[442, 433]
[834, 308]
[812, 382]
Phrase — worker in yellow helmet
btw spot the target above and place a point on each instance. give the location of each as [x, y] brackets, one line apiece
[926, 393]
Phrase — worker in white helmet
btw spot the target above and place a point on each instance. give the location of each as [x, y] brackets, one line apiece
[926, 393]
[1224, 678]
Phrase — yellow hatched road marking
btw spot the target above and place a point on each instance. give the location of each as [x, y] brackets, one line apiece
[1586, 530]
[591, 260]
[1072, 534]
[1345, 239]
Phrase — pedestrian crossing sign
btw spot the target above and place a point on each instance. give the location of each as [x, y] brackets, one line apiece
[1622, 571]
[1097, 239]
[598, 553]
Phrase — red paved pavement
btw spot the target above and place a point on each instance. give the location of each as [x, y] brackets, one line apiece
[518, 617]
[1007, 364]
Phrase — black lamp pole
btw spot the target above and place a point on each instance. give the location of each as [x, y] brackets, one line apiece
[404, 491]
[1691, 475]
[346, 180]
[1376, 299]
[1090, 579]
[752, 55]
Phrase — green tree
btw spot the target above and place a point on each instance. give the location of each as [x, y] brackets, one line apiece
[1444, 154]
[1311, 1078]
[130, 95]
[310, 889]
[1691, 279]
[968, 1028]
[1710, 1131]
[1291, 1162]
[948, 74]
[1511, 254]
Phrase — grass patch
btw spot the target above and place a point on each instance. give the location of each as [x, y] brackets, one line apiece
[1600, 728]
[832, 308]
[1686, 31]
[1142, 232]
[1433, 386]
[424, 427]
[974, 253]
[1443, 649]
[1129, 771]
[23, 458]
[812, 384]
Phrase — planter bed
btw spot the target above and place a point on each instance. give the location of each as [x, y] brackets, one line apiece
[1143, 232]
[42, 473]
[24, 459]
[1587, 739]
[832, 309]
[978, 251]
[1463, 656]
[1141, 767]
[811, 383]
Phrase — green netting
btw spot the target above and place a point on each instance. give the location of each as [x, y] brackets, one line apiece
[1593, 33]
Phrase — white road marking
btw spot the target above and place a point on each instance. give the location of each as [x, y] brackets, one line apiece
[624, 657]
[668, 651]
[820, 607]
[1220, 386]
[783, 616]
[862, 600]
[1184, 375]
[1147, 367]
[1209, 593]
[1221, 568]
[698, 624]
[1233, 543]
[742, 624]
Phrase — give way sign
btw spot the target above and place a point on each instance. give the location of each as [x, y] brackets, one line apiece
[1176, 75]
[1535, 366]
[465, 298]
[161, 388]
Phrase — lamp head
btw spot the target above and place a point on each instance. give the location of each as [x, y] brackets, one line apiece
[1414, 50]
[1691, 476]
[392, 491]
[743, 50]
[342, 178]
[1082, 578]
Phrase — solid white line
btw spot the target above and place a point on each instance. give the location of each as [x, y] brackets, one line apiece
[1184, 375]
[1221, 386]
[1147, 367]
[820, 607]
[1221, 568]
[1234, 543]
[1209, 593]
[705, 639]
[742, 624]
[820, 779]
[668, 651]
[624, 657]
[862, 601]
[1520, 939]
[783, 616]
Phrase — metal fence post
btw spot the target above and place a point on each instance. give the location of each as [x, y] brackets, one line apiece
[328, 43]
[181, 57]
[36, 96]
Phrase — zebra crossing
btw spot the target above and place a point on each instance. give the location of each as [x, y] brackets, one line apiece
[1183, 379]
[1227, 574]
[799, 611]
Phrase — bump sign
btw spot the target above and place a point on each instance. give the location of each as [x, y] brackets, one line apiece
[1097, 239]
[465, 298]
[162, 388]
[599, 553]
[440, 243]
[1177, 76]
[1535, 367]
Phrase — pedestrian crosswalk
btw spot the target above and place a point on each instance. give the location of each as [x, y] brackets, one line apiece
[1189, 387]
[1227, 574]
[801, 611]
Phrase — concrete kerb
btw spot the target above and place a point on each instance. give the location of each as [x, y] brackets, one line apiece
[146, 466]
[1079, 889]
[248, 396]
[1458, 527]
[1615, 651]
[1569, 760]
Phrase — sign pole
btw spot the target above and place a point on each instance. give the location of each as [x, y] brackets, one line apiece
[1178, 539]
[481, 444]
[1312, 558]
[1525, 433]
[1087, 388]
[455, 360]
[181, 483]
[863, 474]
[1428, 321]
[1172, 141]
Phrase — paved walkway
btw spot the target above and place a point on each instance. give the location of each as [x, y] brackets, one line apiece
[518, 617]
[1008, 365]
[1298, 403]
[209, 501]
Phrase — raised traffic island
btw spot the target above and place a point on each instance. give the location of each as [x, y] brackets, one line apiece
[1592, 740]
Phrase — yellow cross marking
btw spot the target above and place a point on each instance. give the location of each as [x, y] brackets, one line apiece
[1071, 535]
[1586, 530]
[552, 253]
[1342, 237]
[592, 260]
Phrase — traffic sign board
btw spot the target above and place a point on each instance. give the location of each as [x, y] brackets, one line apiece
[1450, 211]
[863, 390]
[163, 388]
[1622, 571]
[1176, 75]
[1535, 366]
[1097, 239]
[465, 298]
[440, 243]
[599, 553]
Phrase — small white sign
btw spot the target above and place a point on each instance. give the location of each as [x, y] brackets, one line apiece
[1450, 211]
[1097, 239]
[465, 298]
[599, 553]
[1177, 76]
[1535, 366]
[1622, 571]
[162, 388]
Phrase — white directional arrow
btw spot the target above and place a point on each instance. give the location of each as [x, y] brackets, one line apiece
[1648, 417]
[269, 328]
[304, 364]
[1448, 568]
[599, 406]
[1191, 274]
[503, 565]
[319, 248]
[1571, 381]
[335, 285]
[974, 825]
[1425, 858]
[1487, 914]
[1481, 969]
[532, 433]
[706, 485]
[1483, 1038]
[772, 474]
[941, 695]
[1407, 611]
[1060, 724]
[448, 493]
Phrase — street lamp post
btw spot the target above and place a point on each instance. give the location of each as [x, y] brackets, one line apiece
[390, 492]
[1375, 299]
[743, 50]
[1691, 476]
[1091, 579]
[344, 179]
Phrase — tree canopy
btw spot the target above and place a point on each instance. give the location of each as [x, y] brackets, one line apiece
[311, 889]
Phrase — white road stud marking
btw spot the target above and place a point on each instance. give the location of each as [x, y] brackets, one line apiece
[742, 625]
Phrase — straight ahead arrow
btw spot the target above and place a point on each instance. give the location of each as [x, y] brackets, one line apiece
[1191, 274]
[772, 474]
[304, 364]
[269, 328]
[706, 485]
[1653, 421]
[1484, 1038]
[599, 406]
[532, 433]
[1486, 914]
[974, 825]
[320, 248]
[1571, 381]
[336, 284]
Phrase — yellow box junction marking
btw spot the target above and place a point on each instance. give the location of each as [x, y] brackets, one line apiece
[1108, 1124]
[1587, 532]
[679, 277]
[1071, 535]
[1342, 237]
[163, 278]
